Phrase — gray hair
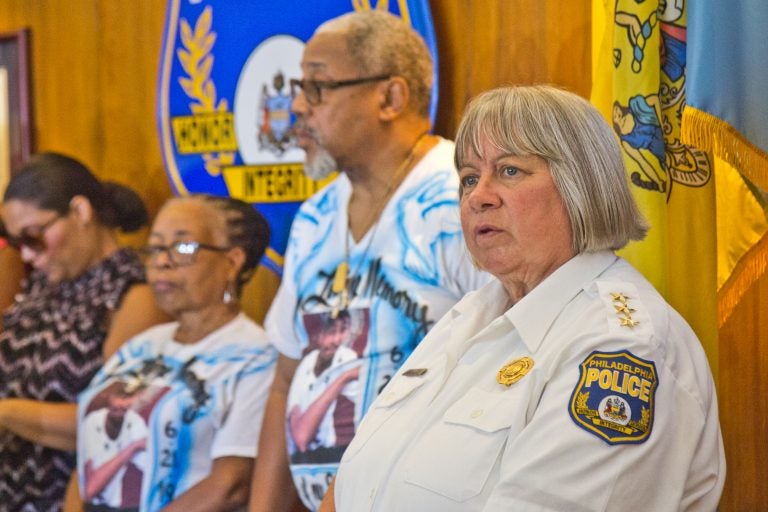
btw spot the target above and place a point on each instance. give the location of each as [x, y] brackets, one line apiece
[579, 147]
[381, 43]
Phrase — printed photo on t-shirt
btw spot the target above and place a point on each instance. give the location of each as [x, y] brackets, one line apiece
[327, 386]
[115, 428]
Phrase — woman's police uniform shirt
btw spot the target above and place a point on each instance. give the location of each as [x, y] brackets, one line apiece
[591, 393]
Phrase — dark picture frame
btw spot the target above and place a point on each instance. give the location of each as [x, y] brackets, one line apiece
[15, 93]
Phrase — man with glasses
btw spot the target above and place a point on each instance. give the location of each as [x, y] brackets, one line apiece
[382, 243]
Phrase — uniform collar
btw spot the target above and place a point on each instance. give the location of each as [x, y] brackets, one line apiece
[535, 313]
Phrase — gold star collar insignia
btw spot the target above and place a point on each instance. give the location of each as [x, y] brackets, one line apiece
[623, 309]
[619, 297]
[628, 322]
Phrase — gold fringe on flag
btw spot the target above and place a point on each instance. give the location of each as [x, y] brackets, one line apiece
[709, 133]
[748, 270]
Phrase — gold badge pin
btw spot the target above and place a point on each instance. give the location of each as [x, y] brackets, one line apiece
[414, 372]
[514, 371]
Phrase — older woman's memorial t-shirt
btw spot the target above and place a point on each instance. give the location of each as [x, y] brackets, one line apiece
[159, 412]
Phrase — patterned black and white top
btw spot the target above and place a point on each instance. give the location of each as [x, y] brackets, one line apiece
[49, 351]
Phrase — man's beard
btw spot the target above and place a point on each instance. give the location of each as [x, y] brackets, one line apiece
[321, 166]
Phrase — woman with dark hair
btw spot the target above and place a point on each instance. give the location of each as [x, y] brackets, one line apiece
[84, 296]
[172, 420]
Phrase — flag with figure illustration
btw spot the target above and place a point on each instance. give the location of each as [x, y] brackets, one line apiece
[727, 115]
[639, 83]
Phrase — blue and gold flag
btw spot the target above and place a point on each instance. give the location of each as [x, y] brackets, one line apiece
[727, 115]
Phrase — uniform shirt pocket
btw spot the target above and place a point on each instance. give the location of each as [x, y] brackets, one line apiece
[386, 404]
[454, 457]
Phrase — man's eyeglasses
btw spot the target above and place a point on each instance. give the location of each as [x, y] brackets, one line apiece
[313, 88]
[179, 254]
[34, 242]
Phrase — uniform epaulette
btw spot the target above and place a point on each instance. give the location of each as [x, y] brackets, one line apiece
[625, 311]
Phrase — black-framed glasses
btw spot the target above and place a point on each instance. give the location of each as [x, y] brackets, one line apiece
[313, 88]
[179, 254]
[33, 241]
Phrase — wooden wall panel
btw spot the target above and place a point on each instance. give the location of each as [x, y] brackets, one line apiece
[490, 43]
[94, 67]
[742, 391]
[94, 77]
[94, 74]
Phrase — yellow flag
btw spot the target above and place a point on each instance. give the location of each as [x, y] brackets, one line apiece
[639, 84]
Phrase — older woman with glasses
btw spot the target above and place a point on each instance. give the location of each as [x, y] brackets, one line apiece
[84, 296]
[172, 419]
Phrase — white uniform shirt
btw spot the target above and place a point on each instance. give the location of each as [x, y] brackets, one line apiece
[452, 438]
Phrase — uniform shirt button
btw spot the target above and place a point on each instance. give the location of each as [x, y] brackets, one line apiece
[476, 413]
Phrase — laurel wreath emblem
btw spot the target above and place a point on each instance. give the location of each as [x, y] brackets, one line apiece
[581, 401]
[383, 5]
[197, 62]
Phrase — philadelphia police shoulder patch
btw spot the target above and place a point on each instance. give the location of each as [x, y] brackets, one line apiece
[614, 398]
